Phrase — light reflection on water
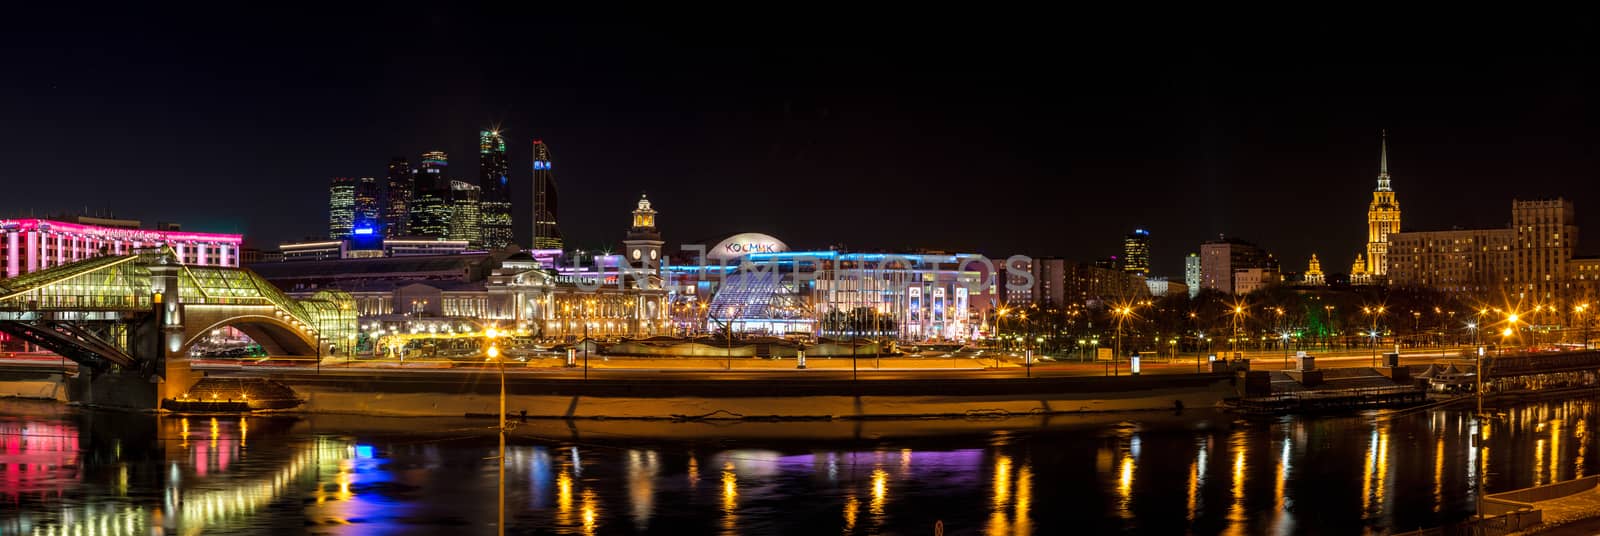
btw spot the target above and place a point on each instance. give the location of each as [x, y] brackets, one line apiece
[85, 473]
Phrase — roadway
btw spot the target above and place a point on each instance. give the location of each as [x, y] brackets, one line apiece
[900, 368]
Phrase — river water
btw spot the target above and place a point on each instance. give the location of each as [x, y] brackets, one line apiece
[66, 471]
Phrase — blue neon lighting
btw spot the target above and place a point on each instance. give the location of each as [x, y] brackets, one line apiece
[363, 231]
[541, 164]
[363, 451]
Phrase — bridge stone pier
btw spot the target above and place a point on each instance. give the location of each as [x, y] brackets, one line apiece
[129, 321]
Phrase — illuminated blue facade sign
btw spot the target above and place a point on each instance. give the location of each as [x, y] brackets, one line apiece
[540, 164]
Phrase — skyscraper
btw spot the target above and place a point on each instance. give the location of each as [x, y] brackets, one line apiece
[466, 222]
[397, 201]
[366, 217]
[546, 234]
[430, 202]
[1136, 252]
[341, 207]
[494, 204]
[1383, 217]
[1191, 273]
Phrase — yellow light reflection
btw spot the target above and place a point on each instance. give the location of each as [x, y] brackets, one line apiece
[1555, 450]
[880, 491]
[1125, 486]
[1538, 462]
[730, 499]
[563, 498]
[1194, 488]
[1236, 516]
[851, 507]
[1024, 515]
[1002, 481]
[1438, 472]
[589, 514]
[694, 472]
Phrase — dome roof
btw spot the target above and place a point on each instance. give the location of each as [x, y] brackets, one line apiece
[742, 244]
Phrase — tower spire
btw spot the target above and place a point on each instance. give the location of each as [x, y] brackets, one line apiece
[1383, 162]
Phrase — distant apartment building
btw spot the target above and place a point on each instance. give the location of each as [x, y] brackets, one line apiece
[1061, 283]
[1224, 261]
[1533, 259]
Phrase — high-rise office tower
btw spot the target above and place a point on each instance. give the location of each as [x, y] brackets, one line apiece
[546, 234]
[397, 199]
[466, 221]
[367, 218]
[1191, 273]
[1136, 252]
[341, 207]
[430, 202]
[494, 204]
[1383, 217]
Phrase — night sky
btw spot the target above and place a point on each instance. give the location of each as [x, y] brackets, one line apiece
[1002, 133]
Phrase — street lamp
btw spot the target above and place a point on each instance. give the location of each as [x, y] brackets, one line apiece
[494, 355]
[1122, 314]
[1238, 310]
[1579, 310]
[1374, 313]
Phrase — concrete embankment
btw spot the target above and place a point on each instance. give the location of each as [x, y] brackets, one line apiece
[443, 395]
[36, 385]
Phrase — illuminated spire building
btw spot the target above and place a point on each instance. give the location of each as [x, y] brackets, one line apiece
[494, 204]
[367, 217]
[1314, 275]
[546, 234]
[397, 199]
[341, 207]
[466, 221]
[1358, 272]
[430, 200]
[1136, 252]
[1383, 218]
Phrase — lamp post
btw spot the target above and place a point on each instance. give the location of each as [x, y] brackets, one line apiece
[1122, 314]
[494, 355]
[1579, 311]
[1285, 349]
[1373, 333]
[1234, 342]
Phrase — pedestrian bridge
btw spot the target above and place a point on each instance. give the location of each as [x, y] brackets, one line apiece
[132, 311]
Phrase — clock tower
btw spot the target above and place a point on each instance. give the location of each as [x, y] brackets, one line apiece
[643, 246]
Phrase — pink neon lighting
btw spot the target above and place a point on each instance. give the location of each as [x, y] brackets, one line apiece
[112, 233]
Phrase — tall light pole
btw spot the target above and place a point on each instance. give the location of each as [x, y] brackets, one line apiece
[494, 355]
[1373, 334]
[1237, 311]
[1122, 314]
[1579, 311]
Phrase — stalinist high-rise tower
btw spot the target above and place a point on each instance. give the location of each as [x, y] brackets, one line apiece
[1383, 217]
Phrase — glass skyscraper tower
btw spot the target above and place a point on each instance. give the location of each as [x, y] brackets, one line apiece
[341, 207]
[546, 234]
[494, 200]
[430, 203]
[397, 200]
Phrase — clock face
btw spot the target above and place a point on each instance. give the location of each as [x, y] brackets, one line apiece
[652, 254]
[636, 254]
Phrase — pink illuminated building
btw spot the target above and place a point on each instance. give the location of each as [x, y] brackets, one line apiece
[31, 245]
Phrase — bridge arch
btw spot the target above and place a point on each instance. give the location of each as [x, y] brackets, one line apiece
[275, 335]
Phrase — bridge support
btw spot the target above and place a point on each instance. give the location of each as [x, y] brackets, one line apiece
[156, 340]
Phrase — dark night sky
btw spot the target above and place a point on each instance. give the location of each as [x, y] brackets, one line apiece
[1043, 134]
